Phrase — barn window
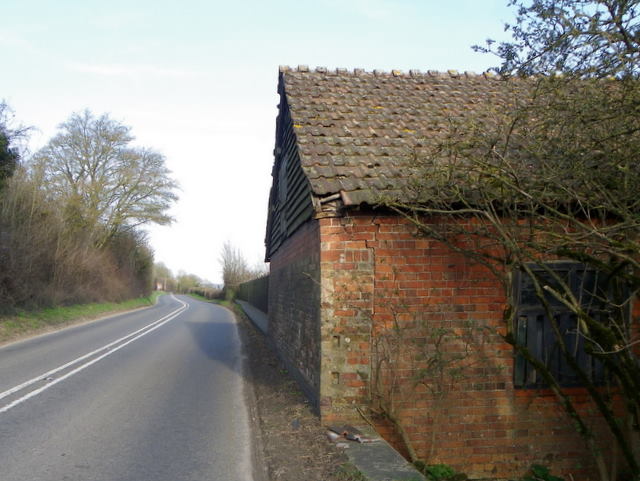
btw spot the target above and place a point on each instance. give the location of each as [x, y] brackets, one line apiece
[534, 329]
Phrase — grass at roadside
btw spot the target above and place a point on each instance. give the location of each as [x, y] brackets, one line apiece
[32, 322]
[222, 302]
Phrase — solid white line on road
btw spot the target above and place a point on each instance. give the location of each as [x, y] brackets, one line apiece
[85, 356]
[138, 334]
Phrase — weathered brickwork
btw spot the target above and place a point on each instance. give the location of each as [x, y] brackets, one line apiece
[394, 297]
[347, 267]
[294, 306]
[369, 313]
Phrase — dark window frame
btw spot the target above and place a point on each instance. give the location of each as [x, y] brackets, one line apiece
[534, 330]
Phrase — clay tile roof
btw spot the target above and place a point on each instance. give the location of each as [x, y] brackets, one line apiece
[357, 131]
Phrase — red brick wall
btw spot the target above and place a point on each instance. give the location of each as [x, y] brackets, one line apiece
[294, 302]
[388, 298]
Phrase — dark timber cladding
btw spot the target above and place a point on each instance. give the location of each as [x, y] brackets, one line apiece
[290, 202]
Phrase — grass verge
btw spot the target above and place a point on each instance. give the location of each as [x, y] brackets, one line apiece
[222, 302]
[25, 323]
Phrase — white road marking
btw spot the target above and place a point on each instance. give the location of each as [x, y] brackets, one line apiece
[42, 377]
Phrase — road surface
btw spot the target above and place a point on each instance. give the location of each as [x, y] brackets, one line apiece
[155, 394]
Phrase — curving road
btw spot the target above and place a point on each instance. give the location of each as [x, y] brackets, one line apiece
[155, 394]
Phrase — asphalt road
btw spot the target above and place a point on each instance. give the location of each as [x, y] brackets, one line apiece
[156, 394]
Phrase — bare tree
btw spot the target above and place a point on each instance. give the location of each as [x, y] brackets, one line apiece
[163, 277]
[235, 268]
[104, 184]
[187, 282]
[590, 38]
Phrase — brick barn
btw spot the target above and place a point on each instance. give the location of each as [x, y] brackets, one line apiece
[345, 273]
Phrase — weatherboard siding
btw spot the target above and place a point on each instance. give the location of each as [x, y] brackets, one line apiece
[290, 203]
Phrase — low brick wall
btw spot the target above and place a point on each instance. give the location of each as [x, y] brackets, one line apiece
[256, 293]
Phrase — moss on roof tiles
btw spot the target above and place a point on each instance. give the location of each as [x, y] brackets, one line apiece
[378, 120]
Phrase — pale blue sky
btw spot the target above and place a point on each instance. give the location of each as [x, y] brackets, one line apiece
[197, 81]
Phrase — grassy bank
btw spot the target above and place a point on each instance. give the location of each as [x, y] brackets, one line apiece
[222, 302]
[25, 323]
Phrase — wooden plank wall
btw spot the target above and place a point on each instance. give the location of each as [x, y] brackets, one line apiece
[290, 202]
